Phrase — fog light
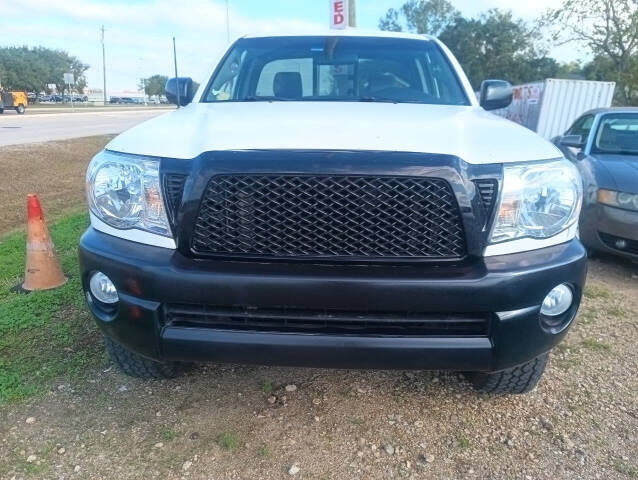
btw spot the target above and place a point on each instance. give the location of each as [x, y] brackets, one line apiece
[621, 244]
[102, 288]
[557, 301]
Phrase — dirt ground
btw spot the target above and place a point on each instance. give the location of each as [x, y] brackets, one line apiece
[238, 422]
[53, 170]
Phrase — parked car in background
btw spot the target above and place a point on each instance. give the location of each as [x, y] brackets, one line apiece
[114, 100]
[603, 144]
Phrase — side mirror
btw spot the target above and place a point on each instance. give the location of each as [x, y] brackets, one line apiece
[182, 86]
[495, 94]
[573, 141]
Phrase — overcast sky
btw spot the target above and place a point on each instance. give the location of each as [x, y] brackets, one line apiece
[138, 32]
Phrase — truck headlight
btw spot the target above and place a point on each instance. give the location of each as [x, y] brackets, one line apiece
[124, 192]
[538, 200]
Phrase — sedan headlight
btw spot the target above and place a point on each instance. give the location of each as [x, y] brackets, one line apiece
[628, 201]
[124, 192]
[538, 200]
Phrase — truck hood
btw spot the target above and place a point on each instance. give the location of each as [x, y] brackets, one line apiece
[469, 133]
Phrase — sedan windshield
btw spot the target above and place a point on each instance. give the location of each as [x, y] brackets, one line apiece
[617, 133]
[363, 69]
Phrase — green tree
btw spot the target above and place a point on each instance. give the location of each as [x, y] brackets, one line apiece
[496, 45]
[422, 16]
[32, 69]
[153, 85]
[609, 28]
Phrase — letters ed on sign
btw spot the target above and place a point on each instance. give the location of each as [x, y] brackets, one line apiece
[338, 14]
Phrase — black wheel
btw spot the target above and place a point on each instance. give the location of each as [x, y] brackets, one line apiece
[521, 379]
[141, 367]
[20, 109]
[1, 110]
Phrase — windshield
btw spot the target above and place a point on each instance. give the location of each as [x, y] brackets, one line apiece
[617, 133]
[369, 69]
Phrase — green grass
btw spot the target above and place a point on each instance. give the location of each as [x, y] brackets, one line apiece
[227, 441]
[49, 334]
[463, 442]
[593, 291]
[615, 311]
[267, 388]
[596, 345]
[167, 434]
[622, 467]
[264, 451]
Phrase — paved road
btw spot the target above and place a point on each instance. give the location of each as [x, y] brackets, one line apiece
[20, 129]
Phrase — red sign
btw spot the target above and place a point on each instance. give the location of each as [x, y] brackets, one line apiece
[338, 14]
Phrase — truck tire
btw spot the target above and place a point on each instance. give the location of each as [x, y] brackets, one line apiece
[520, 379]
[135, 365]
[20, 109]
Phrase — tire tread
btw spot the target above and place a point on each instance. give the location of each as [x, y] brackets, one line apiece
[137, 366]
[516, 380]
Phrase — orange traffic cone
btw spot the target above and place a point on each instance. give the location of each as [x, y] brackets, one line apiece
[43, 270]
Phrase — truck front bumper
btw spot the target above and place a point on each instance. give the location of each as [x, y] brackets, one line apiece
[506, 291]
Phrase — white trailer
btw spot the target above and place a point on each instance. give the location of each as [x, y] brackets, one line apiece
[549, 107]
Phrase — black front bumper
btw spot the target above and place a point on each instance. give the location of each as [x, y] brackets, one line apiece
[508, 289]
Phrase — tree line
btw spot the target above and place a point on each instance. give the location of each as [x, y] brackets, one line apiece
[35, 68]
[497, 45]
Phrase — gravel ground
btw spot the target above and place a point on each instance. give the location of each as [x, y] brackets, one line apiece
[232, 422]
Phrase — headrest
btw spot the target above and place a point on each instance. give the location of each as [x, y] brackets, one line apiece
[287, 85]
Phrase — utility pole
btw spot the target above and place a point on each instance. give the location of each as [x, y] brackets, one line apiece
[103, 64]
[352, 14]
[227, 23]
[176, 77]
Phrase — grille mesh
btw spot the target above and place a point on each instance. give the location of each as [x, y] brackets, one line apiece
[329, 216]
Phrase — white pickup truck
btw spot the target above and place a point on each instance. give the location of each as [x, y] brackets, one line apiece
[337, 200]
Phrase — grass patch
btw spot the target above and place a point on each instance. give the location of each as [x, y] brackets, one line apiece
[586, 316]
[168, 434]
[596, 345]
[44, 335]
[264, 451]
[615, 311]
[463, 442]
[622, 467]
[593, 292]
[359, 422]
[267, 388]
[227, 441]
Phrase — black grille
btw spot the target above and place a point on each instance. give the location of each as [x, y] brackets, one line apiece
[630, 246]
[173, 191]
[329, 216]
[325, 321]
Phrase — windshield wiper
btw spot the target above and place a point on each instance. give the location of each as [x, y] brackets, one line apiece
[259, 98]
[372, 98]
